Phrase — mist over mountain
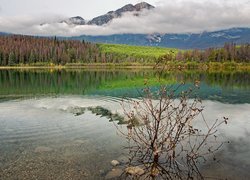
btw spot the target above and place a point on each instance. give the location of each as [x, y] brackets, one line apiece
[183, 41]
[109, 16]
[179, 24]
[104, 19]
[77, 20]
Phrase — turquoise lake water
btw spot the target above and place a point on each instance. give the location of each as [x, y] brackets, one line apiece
[44, 134]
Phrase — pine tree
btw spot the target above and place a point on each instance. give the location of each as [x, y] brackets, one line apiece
[12, 59]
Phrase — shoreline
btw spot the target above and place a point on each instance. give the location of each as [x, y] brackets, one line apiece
[168, 67]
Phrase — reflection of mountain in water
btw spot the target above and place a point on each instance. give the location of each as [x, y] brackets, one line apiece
[231, 87]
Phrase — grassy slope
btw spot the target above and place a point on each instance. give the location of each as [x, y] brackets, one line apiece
[148, 52]
[136, 51]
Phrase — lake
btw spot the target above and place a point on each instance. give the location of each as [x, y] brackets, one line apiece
[47, 130]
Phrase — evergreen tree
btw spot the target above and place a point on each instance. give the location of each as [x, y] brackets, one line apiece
[12, 59]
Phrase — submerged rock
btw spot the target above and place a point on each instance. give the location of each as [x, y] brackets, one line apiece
[41, 149]
[134, 171]
[77, 111]
[98, 110]
[114, 173]
[103, 112]
[115, 163]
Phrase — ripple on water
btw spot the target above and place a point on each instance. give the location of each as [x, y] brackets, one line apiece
[42, 138]
[41, 133]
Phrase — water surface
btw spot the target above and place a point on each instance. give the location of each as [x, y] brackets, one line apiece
[46, 132]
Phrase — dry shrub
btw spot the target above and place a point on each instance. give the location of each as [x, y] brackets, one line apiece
[162, 136]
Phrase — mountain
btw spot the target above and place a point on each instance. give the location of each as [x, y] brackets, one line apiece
[106, 18]
[77, 20]
[182, 41]
[3, 34]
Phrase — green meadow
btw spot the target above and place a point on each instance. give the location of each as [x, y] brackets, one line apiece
[136, 51]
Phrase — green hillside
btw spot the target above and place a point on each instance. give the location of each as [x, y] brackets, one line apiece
[136, 51]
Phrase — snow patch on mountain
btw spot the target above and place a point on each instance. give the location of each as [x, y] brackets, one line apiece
[154, 38]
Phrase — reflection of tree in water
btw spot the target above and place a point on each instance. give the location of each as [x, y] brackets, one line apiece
[56, 81]
[43, 82]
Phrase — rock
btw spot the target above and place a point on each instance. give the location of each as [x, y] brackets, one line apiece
[114, 173]
[115, 163]
[41, 149]
[102, 172]
[77, 111]
[134, 171]
[123, 159]
[143, 5]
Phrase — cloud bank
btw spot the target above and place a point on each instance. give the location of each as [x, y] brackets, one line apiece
[180, 16]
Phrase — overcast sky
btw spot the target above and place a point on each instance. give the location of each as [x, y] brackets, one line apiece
[179, 16]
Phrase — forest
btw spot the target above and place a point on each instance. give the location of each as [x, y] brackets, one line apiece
[22, 50]
[230, 52]
[28, 50]
[19, 49]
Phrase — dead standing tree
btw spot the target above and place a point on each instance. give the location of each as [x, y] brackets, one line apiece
[166, 144]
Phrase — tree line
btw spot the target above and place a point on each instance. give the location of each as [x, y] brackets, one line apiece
[19, 49]
[230, 52]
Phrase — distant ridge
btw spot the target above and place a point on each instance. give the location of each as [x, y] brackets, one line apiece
[3, 34]
[182, 41]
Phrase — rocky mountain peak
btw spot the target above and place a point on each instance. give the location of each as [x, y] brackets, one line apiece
[77, 20]
[126, 8]
[143, 5]
[104, 19]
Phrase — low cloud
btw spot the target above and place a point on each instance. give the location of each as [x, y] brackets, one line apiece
[189, 16]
